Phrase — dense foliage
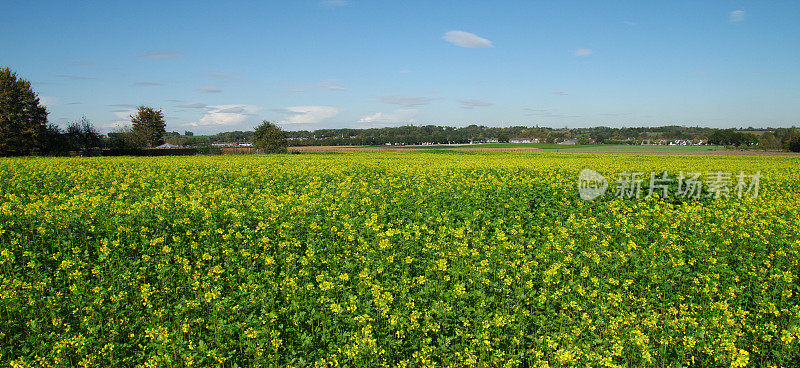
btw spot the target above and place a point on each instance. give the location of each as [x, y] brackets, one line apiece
[395, 259]
[22, 119]
[148, 124]
[731, 137]
[768, 138]
[269, 138]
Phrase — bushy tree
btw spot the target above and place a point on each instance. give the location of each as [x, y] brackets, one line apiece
[794, 144]
[731, 137]
[53, 141]
[125, 139]
[767, 141]
[270, 138]
[83, 137]
[22, 119]
[148, 123]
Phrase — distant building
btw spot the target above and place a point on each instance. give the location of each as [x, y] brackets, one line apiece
[519, 140]
[167, 146]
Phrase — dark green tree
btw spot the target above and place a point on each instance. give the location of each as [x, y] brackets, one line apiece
[767, 141]
[83, 137]
[148, 123]
[22, 119]
[794, 144]
[53, 141]
[270, 138]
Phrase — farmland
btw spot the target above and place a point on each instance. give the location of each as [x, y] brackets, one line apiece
[435, 258]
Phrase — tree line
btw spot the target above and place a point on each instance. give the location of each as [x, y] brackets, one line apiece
[24, 130]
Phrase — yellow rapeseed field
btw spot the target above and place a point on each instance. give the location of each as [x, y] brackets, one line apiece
[452, 259]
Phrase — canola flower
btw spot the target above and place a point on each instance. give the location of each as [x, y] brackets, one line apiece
[411, 259]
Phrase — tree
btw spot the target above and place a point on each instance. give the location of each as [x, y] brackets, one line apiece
[124, 139]
[794, 144]
[22, 119]
[149, 125]
[270, 138]
[83, 137]
[767, 141]
[53, 141]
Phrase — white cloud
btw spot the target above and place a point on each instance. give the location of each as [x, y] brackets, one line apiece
[48, 101]
[582, 52]
[334, 3]
[161, 55]
[407, 101]
[560, 93]
[308, 114]
[737, 16]
[115, 125]
[466, 39]
[397, 116]
[210, 89]
[220, 75]
[125, 114]
[123, 117]
[469, 103]
[225, 115]
[194, 105]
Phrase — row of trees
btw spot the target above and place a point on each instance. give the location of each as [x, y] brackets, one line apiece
[773, 139]
[147, 130]
[24, 130]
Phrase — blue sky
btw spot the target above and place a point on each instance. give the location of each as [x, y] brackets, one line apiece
[226, 65]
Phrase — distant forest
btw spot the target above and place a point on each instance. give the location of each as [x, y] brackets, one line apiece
[768, 138]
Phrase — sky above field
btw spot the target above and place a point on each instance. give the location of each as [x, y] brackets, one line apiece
[216, 66]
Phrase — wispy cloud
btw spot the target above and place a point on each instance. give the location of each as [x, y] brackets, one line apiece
[194, 105]
[560, 93]
[629, 23]
[736, 16]
[333, 3]
[466, 39]
[210, 89]
[160, 55]
[122, 105]
[582, 52]
[48, 101]
[224, 76]
[123, 116]
[469, 103]
[328, 85]
[82, 63]
[74, 77]
[233, 110]
[407, 101]
[307, 114]
[397, 116]
[147, 84]
[404, 71]
[225, 115]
